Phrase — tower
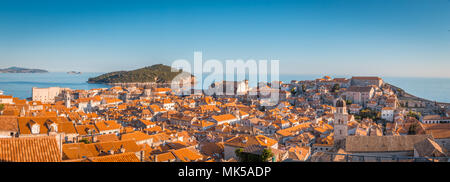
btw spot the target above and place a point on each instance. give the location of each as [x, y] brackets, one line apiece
[147, 91]
[67, 99]
[246, 85]
[22, 112]
[340, 121]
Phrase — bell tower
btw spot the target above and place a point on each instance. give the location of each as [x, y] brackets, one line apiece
[340, 121]
[67, 99]
[147, 91]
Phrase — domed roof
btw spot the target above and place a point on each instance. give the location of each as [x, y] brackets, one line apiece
[340, 103]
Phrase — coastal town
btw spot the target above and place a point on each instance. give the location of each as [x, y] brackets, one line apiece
[357, 119]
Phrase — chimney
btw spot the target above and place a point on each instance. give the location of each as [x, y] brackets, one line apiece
[142, 155]
[60, 145]
[122, 149]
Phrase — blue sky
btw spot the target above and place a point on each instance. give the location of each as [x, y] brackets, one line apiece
[408, 38]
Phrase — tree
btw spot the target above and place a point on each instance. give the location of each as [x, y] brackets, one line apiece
[2, 107]
[303, 88]
[335, 88]
[348, 102]
[158, 73]
[85, 140]
[294, 90]
[368, 113]
[238, 152]
[248, 157]
[417, 115]
[266, 155]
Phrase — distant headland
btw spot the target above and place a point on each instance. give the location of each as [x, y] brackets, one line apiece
[21, 70]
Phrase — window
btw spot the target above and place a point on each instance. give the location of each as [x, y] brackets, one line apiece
[35, 129]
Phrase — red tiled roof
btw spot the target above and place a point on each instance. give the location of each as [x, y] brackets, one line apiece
[224, 117]
[124, 157]
[33, 149]
[366, 78]
[8, 123]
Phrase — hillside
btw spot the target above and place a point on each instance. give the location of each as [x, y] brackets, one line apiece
[158, 73]
[22, 70]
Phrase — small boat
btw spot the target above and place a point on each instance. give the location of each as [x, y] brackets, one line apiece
[1, 92]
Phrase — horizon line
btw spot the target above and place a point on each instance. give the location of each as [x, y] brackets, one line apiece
[291, 74]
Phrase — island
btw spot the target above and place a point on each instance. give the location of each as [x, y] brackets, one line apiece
[74, 72]
[155, 74]
[21, 70]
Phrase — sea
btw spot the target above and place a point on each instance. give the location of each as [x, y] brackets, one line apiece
[21, 84]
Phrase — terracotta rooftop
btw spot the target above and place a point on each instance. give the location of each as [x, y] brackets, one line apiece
[107, 125]
[429, 148]
[224, 117]
[245, 141]
[164, 157]
[107, 138]
[383, 143]
[8, 123]
[432, 117]
[366, 78]
[137, 135]
[438, 131]
[76, 151]
[124, 157]
[98, 148]
[25, 124]
[33, 149]
[187, 155]
[359, 89]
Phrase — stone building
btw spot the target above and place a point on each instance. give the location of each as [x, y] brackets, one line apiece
[359, 95]
[366, 81]
[340, 121]
[47, 95]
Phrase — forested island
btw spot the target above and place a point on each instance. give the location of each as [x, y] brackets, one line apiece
[158, 73]
[21, 70]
